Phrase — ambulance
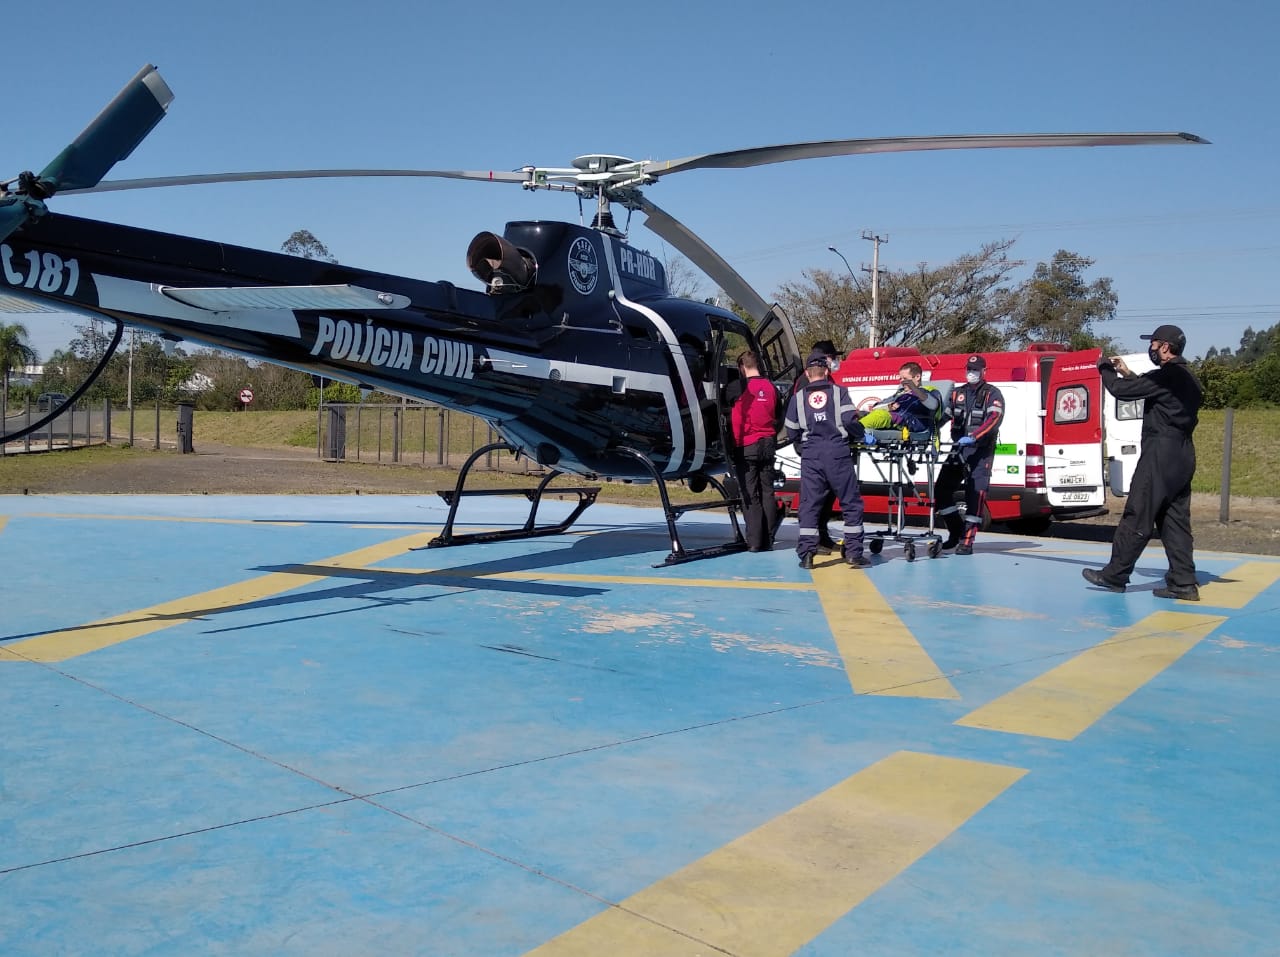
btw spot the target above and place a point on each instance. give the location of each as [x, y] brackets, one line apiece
[1051, 462]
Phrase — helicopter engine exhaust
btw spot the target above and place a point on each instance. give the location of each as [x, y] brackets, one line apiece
[503, 268]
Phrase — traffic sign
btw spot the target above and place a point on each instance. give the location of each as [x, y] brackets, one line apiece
[246, 396]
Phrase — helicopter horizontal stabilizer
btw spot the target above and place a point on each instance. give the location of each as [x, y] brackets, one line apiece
[20, 304]
[310, 298]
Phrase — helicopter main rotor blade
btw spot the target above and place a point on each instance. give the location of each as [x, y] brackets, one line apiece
[200, 179]
[763, 155]
[704, 257]
[112, 136]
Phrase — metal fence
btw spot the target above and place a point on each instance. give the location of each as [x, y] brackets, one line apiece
[85, 423]
[408, 433]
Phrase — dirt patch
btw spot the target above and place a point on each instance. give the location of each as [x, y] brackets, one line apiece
[1253, 525]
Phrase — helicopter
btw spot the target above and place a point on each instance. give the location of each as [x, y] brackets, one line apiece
[574, 352]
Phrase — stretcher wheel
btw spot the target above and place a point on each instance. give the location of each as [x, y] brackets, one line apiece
[875, 545]
[909, 550]
[935, 548]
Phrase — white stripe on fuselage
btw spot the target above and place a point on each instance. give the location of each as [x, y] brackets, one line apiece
[682, 368]
[533, 367]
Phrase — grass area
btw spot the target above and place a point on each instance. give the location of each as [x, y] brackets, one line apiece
[37, 469]
[369, 430]
[1255, 439]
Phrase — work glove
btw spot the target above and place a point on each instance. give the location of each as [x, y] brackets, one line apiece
[868, 438]
[966, 440]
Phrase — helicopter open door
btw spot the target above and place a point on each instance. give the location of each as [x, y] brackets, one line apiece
[776, 345]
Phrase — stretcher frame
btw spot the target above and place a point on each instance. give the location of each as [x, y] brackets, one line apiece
[895, 459]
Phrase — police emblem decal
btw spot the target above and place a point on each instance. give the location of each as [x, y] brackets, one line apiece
[583, 269]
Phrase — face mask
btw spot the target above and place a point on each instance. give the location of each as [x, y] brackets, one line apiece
[973, 378]
[1154, 356]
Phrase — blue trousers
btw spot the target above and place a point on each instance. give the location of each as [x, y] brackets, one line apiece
[829, 467]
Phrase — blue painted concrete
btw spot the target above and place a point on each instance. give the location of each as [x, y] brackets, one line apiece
[386, 763]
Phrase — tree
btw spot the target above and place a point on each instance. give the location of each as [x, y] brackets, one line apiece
[683, 279]
[1057, 305]
[825, 305]
[303, 243]
[961, 306]
[15, 351]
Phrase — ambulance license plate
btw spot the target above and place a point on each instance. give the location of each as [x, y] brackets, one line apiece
[1075, 496]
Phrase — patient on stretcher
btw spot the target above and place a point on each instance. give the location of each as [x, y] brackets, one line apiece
[915, 407]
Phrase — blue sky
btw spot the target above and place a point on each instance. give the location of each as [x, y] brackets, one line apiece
[1188, 234]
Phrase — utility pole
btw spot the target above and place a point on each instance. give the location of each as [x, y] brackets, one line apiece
[874, 269]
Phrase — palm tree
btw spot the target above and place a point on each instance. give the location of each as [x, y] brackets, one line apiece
[14, 354]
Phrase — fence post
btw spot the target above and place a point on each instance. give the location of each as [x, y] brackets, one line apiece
[1224, 501]
[106, 421]
[396, 422]
[440, 444]
[157, 423]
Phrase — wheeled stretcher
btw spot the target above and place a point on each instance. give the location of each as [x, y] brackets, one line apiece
[904, 461]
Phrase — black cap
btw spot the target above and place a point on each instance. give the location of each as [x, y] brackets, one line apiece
[975, 364]
[1171, 334]
[816, 358]
[826, 347]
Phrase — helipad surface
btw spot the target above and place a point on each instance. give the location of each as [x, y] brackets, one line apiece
[279, 725]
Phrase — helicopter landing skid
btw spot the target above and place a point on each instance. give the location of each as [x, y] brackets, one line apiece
[679, 554]
[530, 529]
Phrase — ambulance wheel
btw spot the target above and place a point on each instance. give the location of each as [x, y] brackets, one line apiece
[875, 545]
[909, 550]
[935, 548]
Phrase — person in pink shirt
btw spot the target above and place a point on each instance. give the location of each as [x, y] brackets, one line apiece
[755, 440]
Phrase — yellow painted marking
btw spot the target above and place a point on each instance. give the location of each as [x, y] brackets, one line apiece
[1065, 701]
[169, 518]
[60, 645]
[4, 520]
[771, 891]
[881, 655]
[1242, 585]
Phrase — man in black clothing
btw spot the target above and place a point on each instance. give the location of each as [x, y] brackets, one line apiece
[1160, 495]
[977, 409]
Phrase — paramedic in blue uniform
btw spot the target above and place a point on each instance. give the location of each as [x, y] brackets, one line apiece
[825, 541]
[821, 421]
[755, 439]
[1160, 496]
[977, 407]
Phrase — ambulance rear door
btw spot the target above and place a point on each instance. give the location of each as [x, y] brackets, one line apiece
[1072, 406]
[1122, 419]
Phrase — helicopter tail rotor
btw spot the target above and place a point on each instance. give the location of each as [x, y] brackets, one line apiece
[112, 136]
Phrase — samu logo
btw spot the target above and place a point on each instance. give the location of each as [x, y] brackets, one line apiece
[583, 269]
